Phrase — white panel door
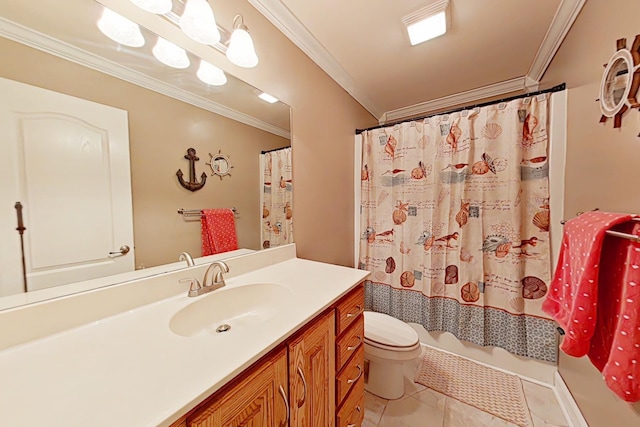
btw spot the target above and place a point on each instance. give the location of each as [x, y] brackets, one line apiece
[67, 161]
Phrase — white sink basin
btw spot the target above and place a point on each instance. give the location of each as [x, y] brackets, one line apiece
[238, 307]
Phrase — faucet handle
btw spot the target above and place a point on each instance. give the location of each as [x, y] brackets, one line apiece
[218, 279]
[195, 288]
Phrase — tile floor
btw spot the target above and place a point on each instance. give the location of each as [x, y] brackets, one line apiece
[423, 407]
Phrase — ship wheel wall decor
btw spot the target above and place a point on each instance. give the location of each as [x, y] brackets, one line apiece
[620, 82]
[220, 164]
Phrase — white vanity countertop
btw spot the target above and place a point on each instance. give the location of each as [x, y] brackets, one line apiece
[132, 370]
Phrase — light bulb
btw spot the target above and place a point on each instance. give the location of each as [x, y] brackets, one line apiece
[154, 6]
[170, 54]
[120, 29]
[210, 74]
[241, 51]
[199, 23]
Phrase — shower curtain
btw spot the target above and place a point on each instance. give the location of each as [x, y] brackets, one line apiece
[455, 224]
[277, 198]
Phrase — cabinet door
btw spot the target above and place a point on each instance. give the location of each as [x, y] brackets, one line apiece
[312, 374]
[258, 400]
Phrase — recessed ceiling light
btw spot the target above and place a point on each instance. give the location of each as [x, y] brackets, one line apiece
[266, 97]
[427, 23]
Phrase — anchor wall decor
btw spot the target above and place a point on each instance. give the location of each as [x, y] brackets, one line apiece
[192, 184]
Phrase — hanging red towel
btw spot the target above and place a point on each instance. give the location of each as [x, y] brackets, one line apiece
[218, 231]
[573, 297]
[615, 346]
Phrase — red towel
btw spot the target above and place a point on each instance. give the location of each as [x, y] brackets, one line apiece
[615, 346]
[572, 300]
[218, 231]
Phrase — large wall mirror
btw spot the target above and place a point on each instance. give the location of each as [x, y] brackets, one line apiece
[168, 111]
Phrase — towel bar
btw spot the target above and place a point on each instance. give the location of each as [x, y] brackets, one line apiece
[627, 236]
[189, 213]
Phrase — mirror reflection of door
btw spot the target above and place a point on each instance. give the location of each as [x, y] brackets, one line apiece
[67, 161]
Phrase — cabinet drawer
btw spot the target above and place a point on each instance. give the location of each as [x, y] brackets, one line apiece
[351, 414]
[348, 310]
[349, 343]
[350, 375]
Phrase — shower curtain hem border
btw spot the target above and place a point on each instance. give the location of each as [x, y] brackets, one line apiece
[461, 303]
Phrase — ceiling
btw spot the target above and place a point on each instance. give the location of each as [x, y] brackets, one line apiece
[492, 47]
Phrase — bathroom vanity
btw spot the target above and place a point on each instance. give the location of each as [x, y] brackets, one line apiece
[142, 353]
[296, 383]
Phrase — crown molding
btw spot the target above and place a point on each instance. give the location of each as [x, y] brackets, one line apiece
[282, 18]
[469, 96]
[564, 18]
[45, 43]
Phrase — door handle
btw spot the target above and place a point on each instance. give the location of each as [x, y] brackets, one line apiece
[123, 251]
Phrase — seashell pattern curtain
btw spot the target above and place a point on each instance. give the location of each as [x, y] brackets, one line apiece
[455, 224]
[277, 198]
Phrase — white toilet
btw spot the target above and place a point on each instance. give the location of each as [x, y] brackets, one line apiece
[388, 344]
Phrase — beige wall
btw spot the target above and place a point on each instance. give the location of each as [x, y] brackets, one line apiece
[324, 119]
[160, 131]
[602, 166]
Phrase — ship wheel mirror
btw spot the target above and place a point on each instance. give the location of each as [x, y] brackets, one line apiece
[220, 164]
[620, 82]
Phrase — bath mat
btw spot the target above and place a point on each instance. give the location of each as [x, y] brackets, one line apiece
[484, 388]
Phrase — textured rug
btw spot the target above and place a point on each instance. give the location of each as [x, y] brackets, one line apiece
[484, 388]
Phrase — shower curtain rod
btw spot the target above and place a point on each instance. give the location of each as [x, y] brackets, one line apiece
[275, 149]
[557, 88]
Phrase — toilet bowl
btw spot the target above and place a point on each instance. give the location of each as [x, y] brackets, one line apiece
[388, 344]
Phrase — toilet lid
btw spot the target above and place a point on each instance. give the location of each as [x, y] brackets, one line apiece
[386, 330]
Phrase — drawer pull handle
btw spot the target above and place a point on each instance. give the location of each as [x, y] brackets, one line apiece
[351, 381]
[358, 310]
[354, 425]
[286, 404]
[304, 383]
[353, 347]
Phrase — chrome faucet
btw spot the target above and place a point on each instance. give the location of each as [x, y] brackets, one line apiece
[208, 285]
[185, 256]
[218, 279]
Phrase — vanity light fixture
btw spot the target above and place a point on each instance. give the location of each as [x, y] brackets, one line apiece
[269, 98]
[427, 23]
[170, 54]
[154, 6]
[241, 51]
[199, 23]
[210, 74]
[120, 29]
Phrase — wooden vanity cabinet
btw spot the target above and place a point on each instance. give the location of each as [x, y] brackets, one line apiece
[318, 371]
[312, 372]
[350, 359]
[258, 398]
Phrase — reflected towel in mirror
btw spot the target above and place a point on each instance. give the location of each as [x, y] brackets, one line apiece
[218, 231]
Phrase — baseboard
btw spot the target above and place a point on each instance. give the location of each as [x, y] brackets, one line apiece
[568, 404]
